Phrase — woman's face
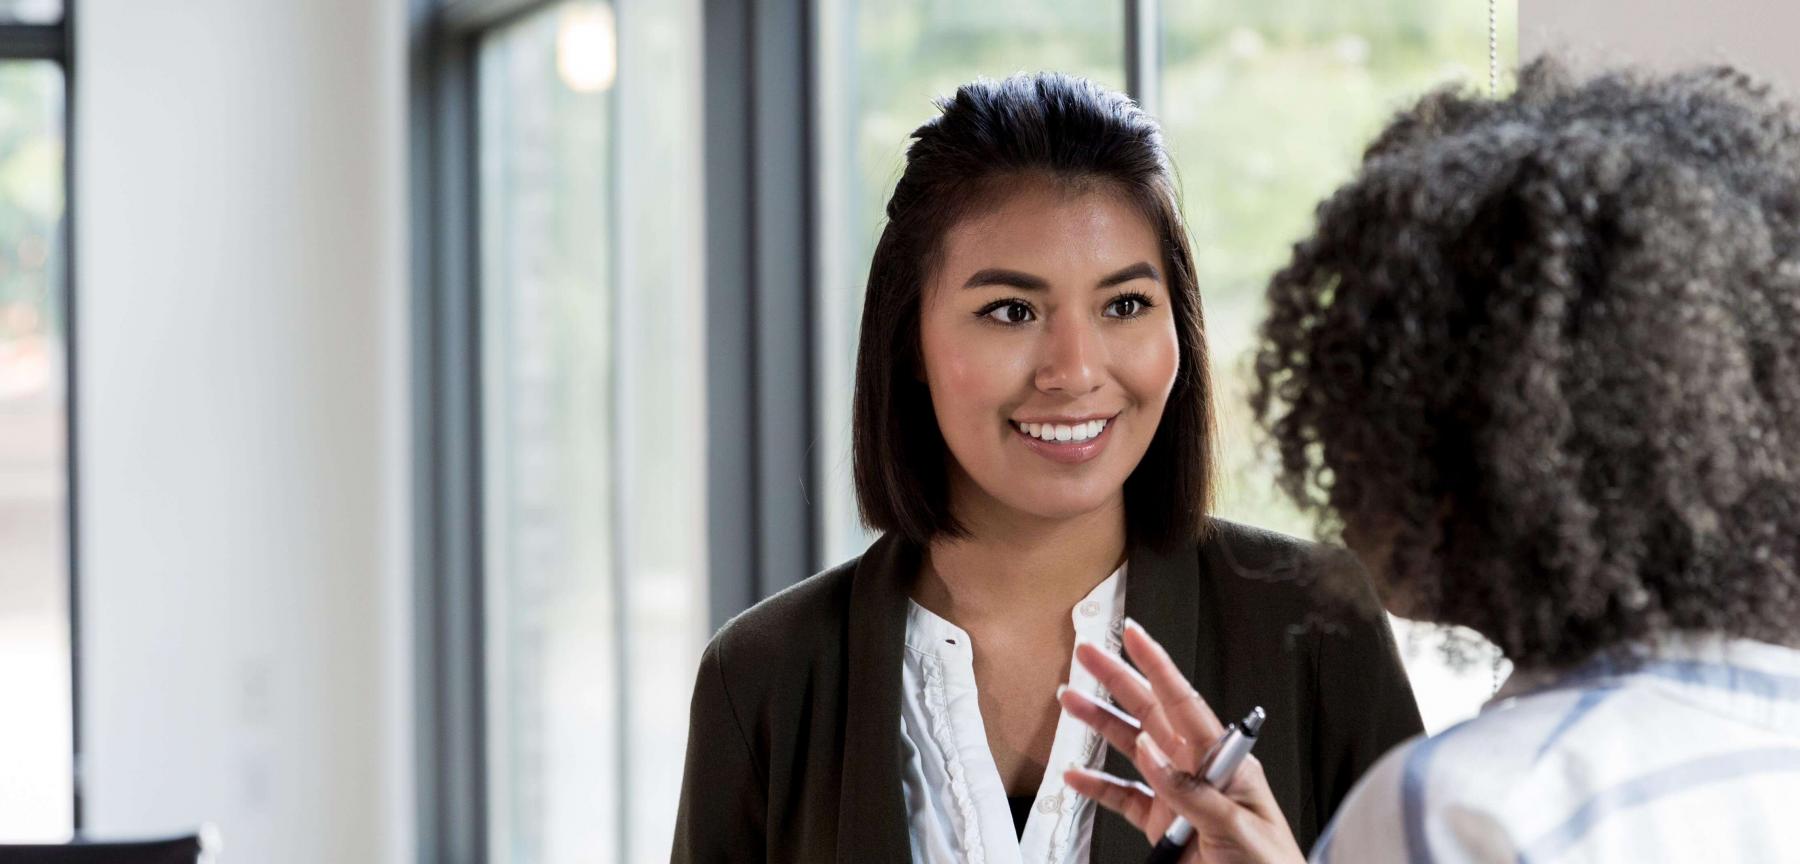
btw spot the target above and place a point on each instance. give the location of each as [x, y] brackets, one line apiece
[1049, 349]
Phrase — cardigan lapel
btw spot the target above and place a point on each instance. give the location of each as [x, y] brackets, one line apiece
[871, 807]
[1162, 593]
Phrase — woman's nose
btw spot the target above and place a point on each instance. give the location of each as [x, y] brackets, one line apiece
[1072, 358]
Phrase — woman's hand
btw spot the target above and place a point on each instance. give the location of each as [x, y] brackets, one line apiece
[1165, 729]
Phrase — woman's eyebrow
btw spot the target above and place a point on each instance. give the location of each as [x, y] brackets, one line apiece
[1028, 282]
[1140, 270]
[1013, 278]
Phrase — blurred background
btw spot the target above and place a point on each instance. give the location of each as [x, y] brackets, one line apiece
[396, 394]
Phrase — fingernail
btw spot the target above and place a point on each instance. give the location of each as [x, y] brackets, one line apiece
[1148, 746]
[1059, 691]
[1132, 624]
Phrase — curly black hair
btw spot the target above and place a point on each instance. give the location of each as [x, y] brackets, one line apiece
[1547, 348]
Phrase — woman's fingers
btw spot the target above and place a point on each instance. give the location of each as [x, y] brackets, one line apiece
[1244, 825]
[1129, 799]
[1118, 728]
[1120, 731]
[1184, 793]
[1134, 694]
[1188, 713]
[1250, 787]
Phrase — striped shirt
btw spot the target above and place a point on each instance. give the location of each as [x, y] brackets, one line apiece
[1690, 754]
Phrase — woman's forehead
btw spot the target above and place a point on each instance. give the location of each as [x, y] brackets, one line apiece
[1048, 229]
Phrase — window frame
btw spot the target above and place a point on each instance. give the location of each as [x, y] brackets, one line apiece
[449, 753]
[55, 43]
[451, 779]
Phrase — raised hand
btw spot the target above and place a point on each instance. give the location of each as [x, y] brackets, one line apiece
[1166, 728]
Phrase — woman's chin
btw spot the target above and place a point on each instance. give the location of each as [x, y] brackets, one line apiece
[1064, 507]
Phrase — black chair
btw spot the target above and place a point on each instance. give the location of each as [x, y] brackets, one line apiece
[175, 850]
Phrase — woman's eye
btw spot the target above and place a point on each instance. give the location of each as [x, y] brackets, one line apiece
[1128, 306]
[1012, 312]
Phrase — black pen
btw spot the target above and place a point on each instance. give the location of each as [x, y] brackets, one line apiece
[1221, 765]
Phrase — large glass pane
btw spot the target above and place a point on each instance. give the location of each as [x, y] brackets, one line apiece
[31, 11]
[593, 410]
[547, 307]
[1267, 106]
[661, 407]
[36, 751]
[881, 63]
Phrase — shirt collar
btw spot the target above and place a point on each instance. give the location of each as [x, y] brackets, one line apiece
[1097, 617]
[1753, 681]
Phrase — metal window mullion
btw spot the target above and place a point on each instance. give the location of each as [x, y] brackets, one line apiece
[473, 17]
[731, 480]
[782, 216]
[71, 427]
[37, 41]
[1143, 53]
[450, 702]
[759, 184]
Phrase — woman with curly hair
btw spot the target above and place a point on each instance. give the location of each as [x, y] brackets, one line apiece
[1539, 363]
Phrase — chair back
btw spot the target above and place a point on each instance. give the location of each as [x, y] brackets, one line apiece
[175, 850]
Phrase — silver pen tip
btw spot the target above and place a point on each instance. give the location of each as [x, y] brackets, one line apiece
[1252, 722]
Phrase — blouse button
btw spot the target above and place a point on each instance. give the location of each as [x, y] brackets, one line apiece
[1048, 804]
[1090, 608]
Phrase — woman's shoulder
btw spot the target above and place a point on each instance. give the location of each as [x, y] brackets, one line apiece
[801, 622]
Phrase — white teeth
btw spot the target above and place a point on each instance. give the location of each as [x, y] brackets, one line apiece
[1056, 432]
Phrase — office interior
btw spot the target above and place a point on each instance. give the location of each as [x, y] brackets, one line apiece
[395, 395]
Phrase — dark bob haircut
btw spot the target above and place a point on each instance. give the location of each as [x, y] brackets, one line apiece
[1550, 345]
[989, 137]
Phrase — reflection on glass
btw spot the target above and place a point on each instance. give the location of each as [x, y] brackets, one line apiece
[31, 11]
[881, 63]
[36, 750]
[593, 436]
[1267, 107]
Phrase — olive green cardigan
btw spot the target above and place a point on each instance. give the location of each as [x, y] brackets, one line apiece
[794, 744]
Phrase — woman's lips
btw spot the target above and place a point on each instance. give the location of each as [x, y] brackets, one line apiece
[1067, 452]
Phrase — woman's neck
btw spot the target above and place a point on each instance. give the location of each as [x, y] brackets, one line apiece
[1020, 568]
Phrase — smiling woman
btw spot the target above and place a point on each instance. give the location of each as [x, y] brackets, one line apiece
[1032, 436]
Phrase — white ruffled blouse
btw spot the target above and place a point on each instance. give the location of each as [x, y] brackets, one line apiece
[956, 803]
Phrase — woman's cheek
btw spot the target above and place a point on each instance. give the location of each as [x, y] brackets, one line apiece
[957, 390]
[1152, 365]
[982, 369]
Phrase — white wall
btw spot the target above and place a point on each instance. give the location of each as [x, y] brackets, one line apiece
[1755, 35]
[240, 219]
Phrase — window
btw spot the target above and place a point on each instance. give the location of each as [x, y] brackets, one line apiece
[585, 598]
[1267, 107]
[37, 786]
[547, 294]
